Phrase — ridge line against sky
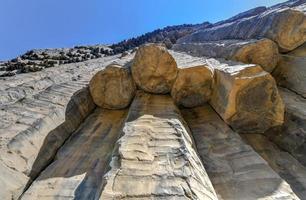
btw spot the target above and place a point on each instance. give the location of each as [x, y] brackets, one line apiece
[34, 24]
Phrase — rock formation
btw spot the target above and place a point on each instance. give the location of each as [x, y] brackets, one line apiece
[160, 124]
[291, 71]
[263, 52]
[154, 69]
[112, 87]
[286, 26]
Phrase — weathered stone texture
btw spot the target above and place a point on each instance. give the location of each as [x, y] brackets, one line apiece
[291, 71]
[292, 135]
[263, 52]
[35, 126]
[193, 83]
[113, 87]
[154, 69]
[281, 162]
[286, 26]
[246, 97]
[78, 168]
[236, 171]
[155, 157]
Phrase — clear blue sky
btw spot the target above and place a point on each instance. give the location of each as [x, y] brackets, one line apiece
[28, 24]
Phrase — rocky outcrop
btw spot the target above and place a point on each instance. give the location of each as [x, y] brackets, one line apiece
[286, 26]
[246, 97]
[193, 83]
[291, 71]
[292, 135]
[235, 169]
[78, 168]
[35, 126]
[155, 156]
[113, 87]
[38, 59]
[154, 69]
[281, 162]
[263, 52]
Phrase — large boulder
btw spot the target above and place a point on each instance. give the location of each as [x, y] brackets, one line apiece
[113, 87]
[263, 52]
[291, 71]
[154, 69]
[192, 86]
[246, 97]
[286, 26]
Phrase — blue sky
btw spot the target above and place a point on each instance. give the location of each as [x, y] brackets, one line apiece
[28, 24]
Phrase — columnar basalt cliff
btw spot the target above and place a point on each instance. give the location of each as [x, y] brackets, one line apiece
[221, 115]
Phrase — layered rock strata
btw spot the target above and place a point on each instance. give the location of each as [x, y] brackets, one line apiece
[292, 135]
[235, 169]
[284, 25]
[112, 87]
[87, 151]
[291, 71]
[263, 52]
[281, 162]
[35, 126]
[155, 156]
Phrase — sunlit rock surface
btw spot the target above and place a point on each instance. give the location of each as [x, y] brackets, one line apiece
[263, 52]
[112, 87]
[155, 156]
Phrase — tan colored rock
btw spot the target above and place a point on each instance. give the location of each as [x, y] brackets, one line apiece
[192, 86]
[236, 171]
[263, 52]
[112, 87]
[291, 71]
[155, 156]
[154, 69]
[246, 97]
[285, 26]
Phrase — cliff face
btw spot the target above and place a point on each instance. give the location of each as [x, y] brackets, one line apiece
[219, 116]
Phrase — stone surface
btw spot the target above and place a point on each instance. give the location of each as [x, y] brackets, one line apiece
[36, 123]
[284, 25]
[113, 87]
[193, 83]
[246, 97]
[291, 71]
[155, 156]
[263, 52]
[236, 171]
[281, 162]
[154, 69]
[78, 168]
[292, 135]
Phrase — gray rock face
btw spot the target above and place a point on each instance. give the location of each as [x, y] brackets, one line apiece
[292, 135]
[263, 52]
[284, 25]
[155, 156]
[281, 162]
[291, 71]
[235, 169]
[35, 125]
[78, 168]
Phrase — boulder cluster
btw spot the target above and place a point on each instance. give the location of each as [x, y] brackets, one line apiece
[244, 95]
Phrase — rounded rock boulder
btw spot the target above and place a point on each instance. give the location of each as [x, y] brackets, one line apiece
[154, 69]
[113, 87]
